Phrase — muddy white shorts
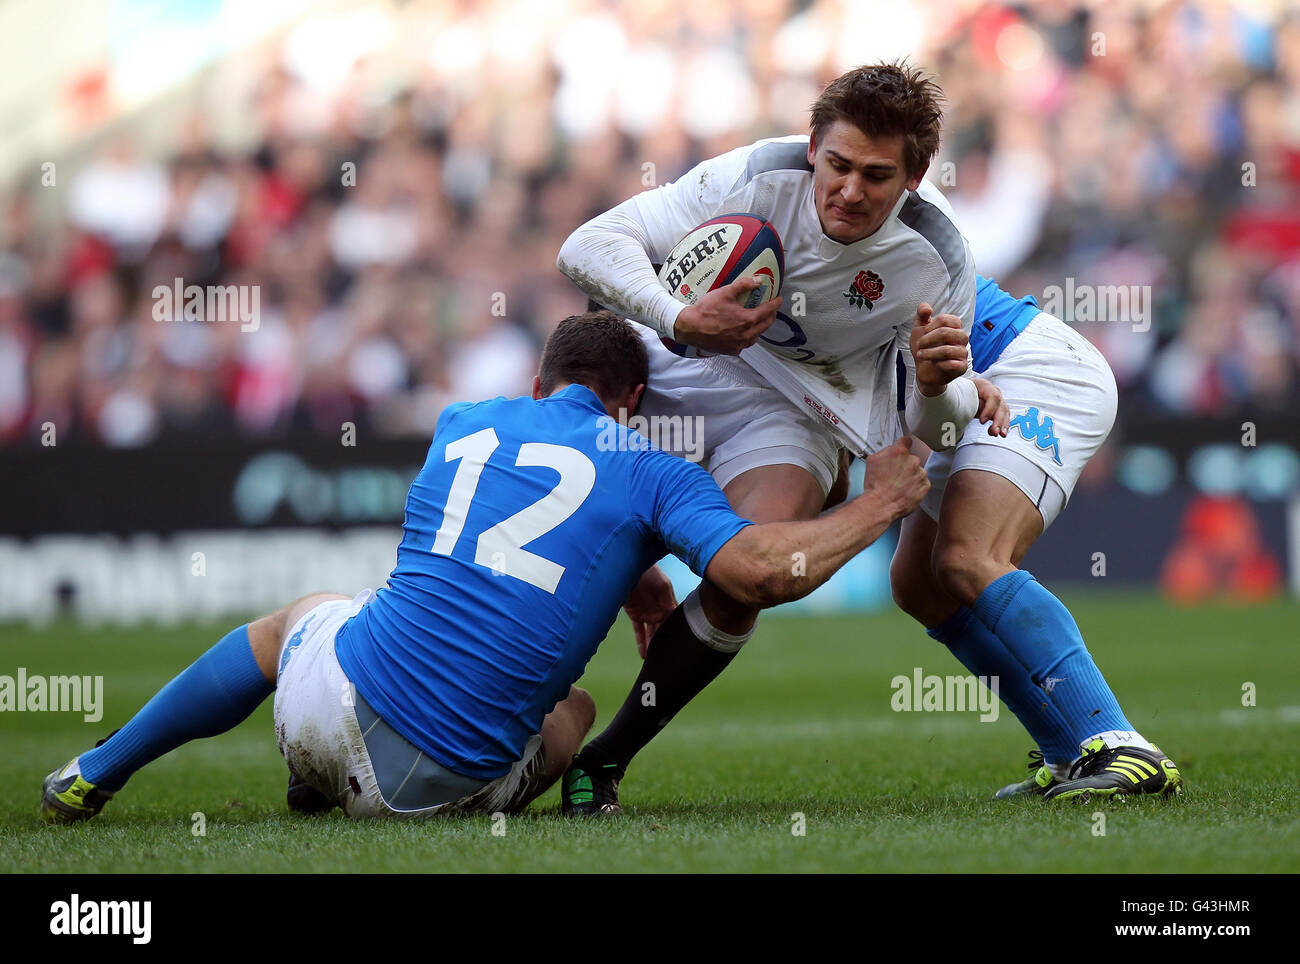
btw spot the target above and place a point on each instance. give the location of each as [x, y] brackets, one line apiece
[719, 412]
[334, 741]
[1062, 398]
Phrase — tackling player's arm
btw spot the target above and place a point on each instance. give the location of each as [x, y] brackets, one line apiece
[612, 256]
[766, 565]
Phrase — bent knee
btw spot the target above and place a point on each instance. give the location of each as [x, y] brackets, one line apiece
[912, 589]
[267, 635]
[293, 612]
[917, 594]
[962, 569]
[583, 706]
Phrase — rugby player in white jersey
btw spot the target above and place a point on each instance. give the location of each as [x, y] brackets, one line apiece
[886, 291]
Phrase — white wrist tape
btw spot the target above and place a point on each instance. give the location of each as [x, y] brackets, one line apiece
[926, 417]
[705, 631]
[662, 312]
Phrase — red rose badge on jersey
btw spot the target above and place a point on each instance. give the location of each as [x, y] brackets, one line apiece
[866, 290]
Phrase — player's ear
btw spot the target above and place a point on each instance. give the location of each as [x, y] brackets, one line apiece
[634, 398]
[915, 180]
[537, 387]
[812, 148]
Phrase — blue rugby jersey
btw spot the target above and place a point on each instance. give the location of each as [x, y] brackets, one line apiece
[998, 319]
[525, 530]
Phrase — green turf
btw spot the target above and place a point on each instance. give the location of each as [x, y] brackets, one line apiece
[801, 723]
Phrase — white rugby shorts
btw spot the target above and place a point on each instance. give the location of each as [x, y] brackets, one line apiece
[1062, 398]
[318, 734]
[739, 421]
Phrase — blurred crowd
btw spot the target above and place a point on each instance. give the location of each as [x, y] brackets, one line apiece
[399, 203]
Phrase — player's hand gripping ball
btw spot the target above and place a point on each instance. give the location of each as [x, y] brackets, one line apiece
[714, 255]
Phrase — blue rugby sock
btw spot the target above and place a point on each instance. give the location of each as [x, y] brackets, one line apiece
[980, 651]
[217, 691]
[1040, 633]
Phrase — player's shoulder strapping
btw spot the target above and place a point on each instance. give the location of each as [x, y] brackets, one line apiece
[782, 154]
[933, 224]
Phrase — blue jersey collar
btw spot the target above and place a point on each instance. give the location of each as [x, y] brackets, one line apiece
[583, 395]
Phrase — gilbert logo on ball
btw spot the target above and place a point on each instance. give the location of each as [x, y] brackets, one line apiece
[715, 254]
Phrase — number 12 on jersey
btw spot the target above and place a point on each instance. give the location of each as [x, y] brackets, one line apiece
[501, 547]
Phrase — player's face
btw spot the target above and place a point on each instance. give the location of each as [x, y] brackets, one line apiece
[857, 180]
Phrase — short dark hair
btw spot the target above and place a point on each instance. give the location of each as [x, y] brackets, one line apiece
[597, 349]
[883, 100]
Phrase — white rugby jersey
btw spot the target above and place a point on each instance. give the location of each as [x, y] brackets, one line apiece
[848, 309]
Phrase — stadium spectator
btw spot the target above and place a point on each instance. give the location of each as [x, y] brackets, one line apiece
[401, 224]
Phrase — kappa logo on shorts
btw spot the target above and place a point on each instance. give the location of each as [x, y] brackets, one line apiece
[1039, 430]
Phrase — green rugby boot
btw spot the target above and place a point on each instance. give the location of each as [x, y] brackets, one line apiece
[590, 791]
[1040, 780]
[1102, 771]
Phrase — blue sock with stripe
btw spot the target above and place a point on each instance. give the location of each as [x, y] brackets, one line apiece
[1037, 629]
[217, 691]
[980, 651]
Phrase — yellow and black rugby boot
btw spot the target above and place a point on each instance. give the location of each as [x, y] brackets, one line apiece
[68, 797]
[1103, 771]
[1039, 782]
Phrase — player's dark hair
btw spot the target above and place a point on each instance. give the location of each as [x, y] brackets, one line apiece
[597, 349]
[883, 100]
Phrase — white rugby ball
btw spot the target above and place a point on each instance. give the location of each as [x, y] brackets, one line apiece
[714, 255]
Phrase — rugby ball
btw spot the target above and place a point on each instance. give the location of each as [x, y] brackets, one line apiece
[715, 254]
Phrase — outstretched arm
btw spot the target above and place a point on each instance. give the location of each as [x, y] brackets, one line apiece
[765, 565]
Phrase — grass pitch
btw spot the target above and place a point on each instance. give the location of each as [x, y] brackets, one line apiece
[797, 734]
